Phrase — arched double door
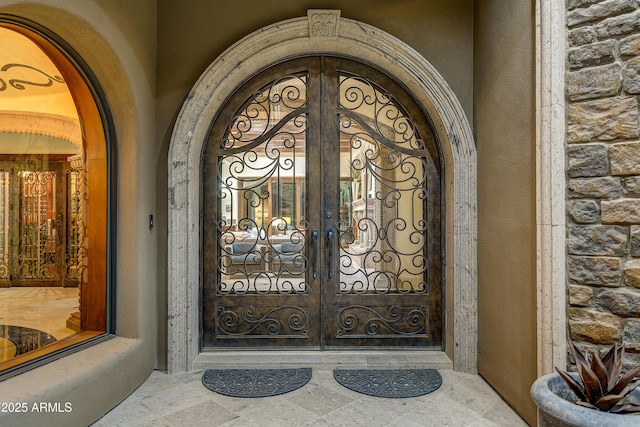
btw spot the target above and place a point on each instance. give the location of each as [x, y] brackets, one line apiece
[321, 220]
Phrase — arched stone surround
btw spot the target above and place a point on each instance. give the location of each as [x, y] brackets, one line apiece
[321, 31]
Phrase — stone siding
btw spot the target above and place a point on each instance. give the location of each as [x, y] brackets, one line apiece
[603, 173]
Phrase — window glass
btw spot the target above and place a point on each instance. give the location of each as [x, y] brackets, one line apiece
[47, 265]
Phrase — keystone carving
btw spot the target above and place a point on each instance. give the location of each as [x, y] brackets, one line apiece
[323, 22]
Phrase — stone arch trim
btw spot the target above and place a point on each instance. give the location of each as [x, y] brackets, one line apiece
[321, 32]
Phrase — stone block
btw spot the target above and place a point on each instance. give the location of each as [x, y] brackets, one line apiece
[632, 77]
[631, 360]
[623, 302]
[592, 55]
[632, 186]
[594, 271]
[625, 158]
[582, 35]
[598, 240]
[594, 188]
[584, 211]
[595, 82]
[622, 211]
[572, 4]
[635, 240]
[599, 11]
[632, 273]
[631, 336]
[605, 120]
[619, 25]
[580, 296]
[629, 46]
[594, 326]
[587, 160]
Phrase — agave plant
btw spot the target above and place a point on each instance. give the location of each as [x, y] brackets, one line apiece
[603, 383]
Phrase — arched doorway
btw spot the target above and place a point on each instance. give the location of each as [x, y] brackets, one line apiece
[322, 32]
[321, 213]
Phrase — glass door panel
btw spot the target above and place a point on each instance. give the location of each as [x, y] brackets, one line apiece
[38, 224]
[35, 224]
[257, 281]
[263, 216]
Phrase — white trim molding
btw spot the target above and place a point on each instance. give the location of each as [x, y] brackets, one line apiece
[321, 32]
[550, 185]
[35, 123]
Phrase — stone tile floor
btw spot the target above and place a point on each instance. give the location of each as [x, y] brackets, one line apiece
[181, 400]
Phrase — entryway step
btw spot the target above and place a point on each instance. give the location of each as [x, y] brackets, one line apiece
[323, 359]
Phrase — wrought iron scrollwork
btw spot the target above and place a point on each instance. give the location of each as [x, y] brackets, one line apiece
[383, 237]
[76, 252]
[38, 234]
[359, 321]
[282, 321]
[261, 170]
[5, 237]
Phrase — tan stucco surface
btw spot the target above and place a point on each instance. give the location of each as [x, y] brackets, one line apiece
[504, 108]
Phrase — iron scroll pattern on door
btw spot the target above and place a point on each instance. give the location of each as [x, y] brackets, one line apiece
[261, 221]
[382, 230]
[43, 239]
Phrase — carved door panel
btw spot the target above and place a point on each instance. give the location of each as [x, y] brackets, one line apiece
[321, 213]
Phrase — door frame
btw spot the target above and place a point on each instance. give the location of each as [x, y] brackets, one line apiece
[321, 31]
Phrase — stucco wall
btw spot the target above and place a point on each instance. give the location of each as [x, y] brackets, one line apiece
[117, 41]
[504, 121]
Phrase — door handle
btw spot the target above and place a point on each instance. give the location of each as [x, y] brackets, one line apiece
[329, 248]
[314, 251]
[58, 230]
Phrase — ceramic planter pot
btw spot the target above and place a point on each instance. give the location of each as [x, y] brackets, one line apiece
[556, 407]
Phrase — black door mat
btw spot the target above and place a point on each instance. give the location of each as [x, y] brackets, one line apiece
[391, 383]
[255, 382]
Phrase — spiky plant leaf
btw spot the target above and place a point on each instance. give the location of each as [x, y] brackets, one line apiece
[613, 363]
[578, 355]
[624, 380]
[590, 381]
[591, 384]
[603, 386]
[573, 385]
[606, 403]
[626, 409]
[598, 368]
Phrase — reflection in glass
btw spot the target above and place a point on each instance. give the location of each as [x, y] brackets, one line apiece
[262, 173]
[43, 199]
[383, 194]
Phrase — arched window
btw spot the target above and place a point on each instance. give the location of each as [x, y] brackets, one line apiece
[55, 191]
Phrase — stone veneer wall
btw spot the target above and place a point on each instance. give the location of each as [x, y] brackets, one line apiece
[603, 173]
